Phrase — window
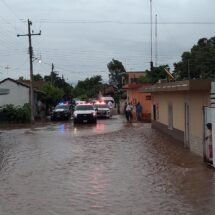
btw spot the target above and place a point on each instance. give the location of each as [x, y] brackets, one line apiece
[133, 80]
[156, 111]
[148, 97]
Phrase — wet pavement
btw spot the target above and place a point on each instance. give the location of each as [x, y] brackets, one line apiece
[113, 167]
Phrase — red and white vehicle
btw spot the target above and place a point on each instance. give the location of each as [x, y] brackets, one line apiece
[84, 113]
[102, 109]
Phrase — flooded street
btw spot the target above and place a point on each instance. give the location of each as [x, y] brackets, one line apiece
[109, 168]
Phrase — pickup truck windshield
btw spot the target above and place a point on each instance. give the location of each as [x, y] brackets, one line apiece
[84, 107]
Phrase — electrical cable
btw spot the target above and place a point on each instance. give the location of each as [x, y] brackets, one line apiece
[68, 21]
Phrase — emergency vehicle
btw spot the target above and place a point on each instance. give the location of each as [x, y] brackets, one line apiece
[84, 113]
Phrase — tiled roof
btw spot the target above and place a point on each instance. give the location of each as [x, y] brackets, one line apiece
[22, 84]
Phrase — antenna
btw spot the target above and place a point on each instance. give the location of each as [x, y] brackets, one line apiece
[151, 62]
[156, 41]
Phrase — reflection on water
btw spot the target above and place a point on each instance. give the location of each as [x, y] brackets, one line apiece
[100, 127]
[86, 129]
[136, 170]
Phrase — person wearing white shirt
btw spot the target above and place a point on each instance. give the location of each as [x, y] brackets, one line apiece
[128, 112]
[110, 104]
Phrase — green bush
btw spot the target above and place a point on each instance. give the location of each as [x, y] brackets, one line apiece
[11, 113]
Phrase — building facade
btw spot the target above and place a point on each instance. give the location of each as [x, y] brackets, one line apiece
[18, 93]
[177, 109]
[132, 88]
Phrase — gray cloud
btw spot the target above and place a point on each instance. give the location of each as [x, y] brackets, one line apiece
[81, 36]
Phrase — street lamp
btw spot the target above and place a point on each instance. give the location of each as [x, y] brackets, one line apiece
[36, 58]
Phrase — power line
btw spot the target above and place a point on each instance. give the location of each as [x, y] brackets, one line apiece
[12, 11]
[67, 21]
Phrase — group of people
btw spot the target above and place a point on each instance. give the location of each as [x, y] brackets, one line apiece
[129, 109]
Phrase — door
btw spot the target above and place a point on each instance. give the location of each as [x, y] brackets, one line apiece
[154, 112]
[170, 116]
[187, 125]
[209, 135]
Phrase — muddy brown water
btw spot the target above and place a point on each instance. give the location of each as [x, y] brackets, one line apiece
[110, 168]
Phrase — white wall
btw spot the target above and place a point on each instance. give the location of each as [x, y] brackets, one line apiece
[212, 94]
[18, 95]
[197, 100]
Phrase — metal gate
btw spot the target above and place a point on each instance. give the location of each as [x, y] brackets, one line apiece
[209, 135]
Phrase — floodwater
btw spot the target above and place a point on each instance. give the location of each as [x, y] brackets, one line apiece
[113, 167]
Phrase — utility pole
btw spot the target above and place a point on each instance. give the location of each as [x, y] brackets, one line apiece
[52, 73]
[31, 66]
[7, 67]
[188, 68]
[156, 41]
[151, 62]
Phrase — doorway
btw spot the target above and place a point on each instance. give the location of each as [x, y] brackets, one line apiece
[187, 125]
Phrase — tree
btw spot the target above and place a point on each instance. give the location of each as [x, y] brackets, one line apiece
[21, 78]
[154, 76]
[60, 83]
[52, 93]
[116, 73]
[37, 77]
[53, 77]
[89, 88]
[199, 63]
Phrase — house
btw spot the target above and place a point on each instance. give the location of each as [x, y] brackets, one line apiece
[132, 88]
[132, 77]
[18, 93]
[37, 85]
[177, 109]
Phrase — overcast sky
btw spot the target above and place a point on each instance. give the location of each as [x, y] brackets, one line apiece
[81, 36]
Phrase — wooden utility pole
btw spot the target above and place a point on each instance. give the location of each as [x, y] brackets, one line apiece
[31, 66]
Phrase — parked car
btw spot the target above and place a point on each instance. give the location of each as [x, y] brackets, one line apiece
[84, 113]
[103, 110]
[62, 111]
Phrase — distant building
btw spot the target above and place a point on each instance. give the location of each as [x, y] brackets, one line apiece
[212, 97]
[132, 88]
[108, 90]
[17, 93]
[132, 77]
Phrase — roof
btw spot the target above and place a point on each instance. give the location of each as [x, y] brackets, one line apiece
[188, 85]
[22, 84]
[135, 72]
[135, 86]
[36, 84]
[132, 86]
